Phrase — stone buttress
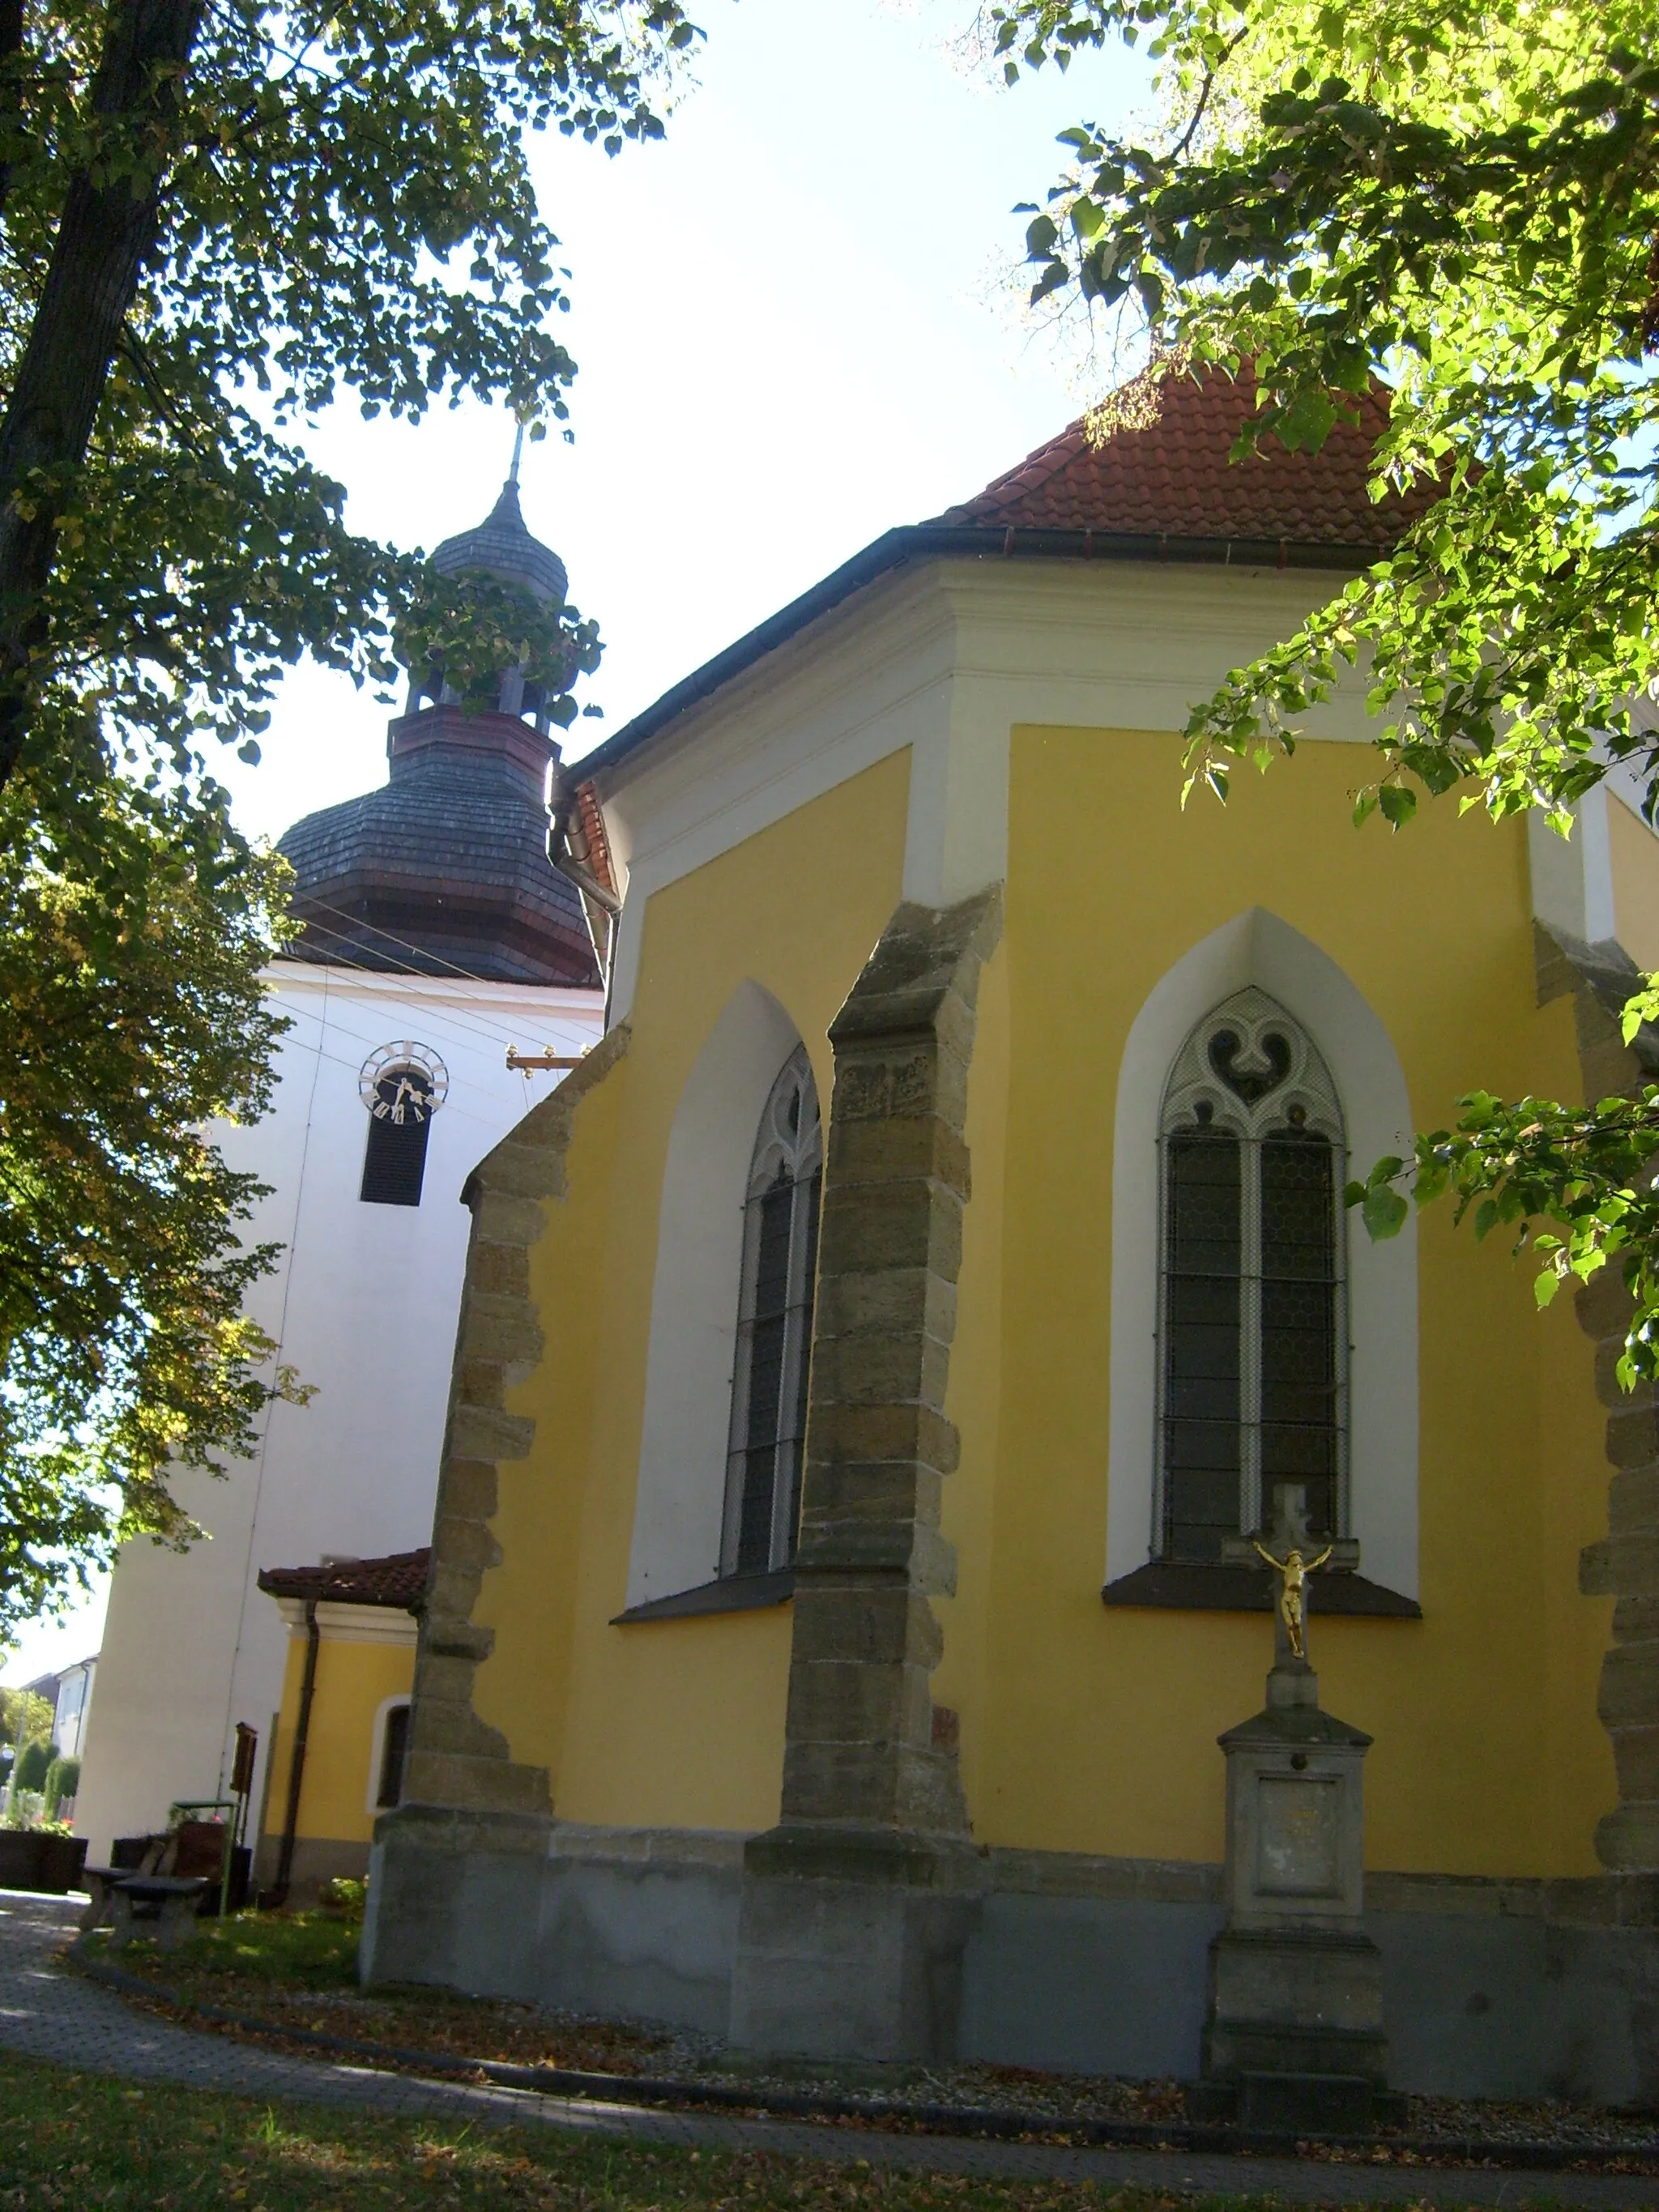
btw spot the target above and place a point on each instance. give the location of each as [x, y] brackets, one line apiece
[856, 1906]
[464, 1794]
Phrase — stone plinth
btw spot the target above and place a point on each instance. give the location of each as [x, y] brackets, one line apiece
[1293, 2035]
[850, 1944]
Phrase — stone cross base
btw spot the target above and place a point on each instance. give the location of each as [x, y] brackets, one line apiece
[1297, 2002]
[1294, 2035]
[850, 1944]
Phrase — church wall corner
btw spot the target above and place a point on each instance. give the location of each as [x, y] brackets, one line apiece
[456, 1759]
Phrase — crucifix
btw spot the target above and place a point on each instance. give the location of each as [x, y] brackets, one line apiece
[1293, 1571]
[1288, 1548]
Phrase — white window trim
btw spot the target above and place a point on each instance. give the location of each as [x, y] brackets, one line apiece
[377, 1750]
[1257, 947]
[680, 1500]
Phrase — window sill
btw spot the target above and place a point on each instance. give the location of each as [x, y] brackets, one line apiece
[730, 1594]
[1196, 1586]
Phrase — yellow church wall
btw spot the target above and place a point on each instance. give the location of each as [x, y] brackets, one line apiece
[1633, 853]
[677, 1722]
[532, 1602]
[1090, 1728]
[973, 1391]
[353, 1681]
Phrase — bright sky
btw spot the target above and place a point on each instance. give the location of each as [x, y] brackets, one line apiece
[796, 327]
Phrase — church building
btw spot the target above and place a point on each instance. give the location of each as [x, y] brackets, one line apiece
[875, 1362]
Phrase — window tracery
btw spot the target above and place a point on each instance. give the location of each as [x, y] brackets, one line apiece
[1252, 1323]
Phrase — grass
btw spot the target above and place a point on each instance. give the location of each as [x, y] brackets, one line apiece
[79, 2141]
[300, 1970]
[255, 1951]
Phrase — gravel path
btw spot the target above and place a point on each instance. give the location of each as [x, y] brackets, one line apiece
[47, 2013]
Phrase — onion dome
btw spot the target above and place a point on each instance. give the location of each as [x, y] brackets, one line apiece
[444, 867]
[501, 547]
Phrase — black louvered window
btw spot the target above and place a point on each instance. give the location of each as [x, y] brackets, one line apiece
[394, 1752]
[1253, 1353]
[399, 1124]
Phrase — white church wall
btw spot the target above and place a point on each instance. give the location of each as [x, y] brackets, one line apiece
[363, 1305]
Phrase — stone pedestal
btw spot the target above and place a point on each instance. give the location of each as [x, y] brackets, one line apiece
[850, 1946]
[1294, 2036]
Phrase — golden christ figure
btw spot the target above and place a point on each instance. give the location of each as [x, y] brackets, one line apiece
[1293, 1571]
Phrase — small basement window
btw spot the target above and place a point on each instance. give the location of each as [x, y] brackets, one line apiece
[400, 1121]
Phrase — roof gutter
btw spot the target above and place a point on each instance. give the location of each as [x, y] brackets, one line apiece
[940, 541]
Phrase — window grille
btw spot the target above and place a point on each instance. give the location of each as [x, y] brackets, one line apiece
[394, 1751]
[774, 1328]
[1252, 1319]
[400, 1121]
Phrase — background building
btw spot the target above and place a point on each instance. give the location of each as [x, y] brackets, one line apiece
[436, 937]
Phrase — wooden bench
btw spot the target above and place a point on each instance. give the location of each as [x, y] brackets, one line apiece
[98, 1882]
[160, 1905]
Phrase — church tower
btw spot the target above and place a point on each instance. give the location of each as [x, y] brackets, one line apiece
[435, 935]
[445, 866]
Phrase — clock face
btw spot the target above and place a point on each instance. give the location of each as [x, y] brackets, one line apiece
[403, 1082]
[403, 1094]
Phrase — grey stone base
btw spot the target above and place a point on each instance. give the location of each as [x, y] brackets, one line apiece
[1316, 2104]
[1302, 2002]
[1489, 1988]
[851, 1946]
[630, 1924]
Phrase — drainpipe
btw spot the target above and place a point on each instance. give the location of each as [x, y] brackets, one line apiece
[562, 834]
[559, 854]
[297, 1766]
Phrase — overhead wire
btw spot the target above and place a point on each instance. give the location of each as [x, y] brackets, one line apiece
[331, 1023]
[485, 1120]
[461, 1018]
[391, 937]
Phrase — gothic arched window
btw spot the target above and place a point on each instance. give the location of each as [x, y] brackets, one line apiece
[775, 1328]
[1252, 1324]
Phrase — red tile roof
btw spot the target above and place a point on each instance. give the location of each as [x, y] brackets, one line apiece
[1173, 478]
[399, 1579]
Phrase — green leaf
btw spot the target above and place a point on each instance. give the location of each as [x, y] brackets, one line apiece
[1383, 1212]
[1307, 423]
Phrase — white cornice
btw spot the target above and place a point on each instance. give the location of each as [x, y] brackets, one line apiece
[352, 1624]
[945, 659]
[299, 978]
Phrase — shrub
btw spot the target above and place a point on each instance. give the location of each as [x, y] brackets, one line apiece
[33, 1763]
[344, 1895]
[63, 1780]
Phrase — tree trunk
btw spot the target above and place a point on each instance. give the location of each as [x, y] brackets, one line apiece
[105, 234]
[11, 62]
